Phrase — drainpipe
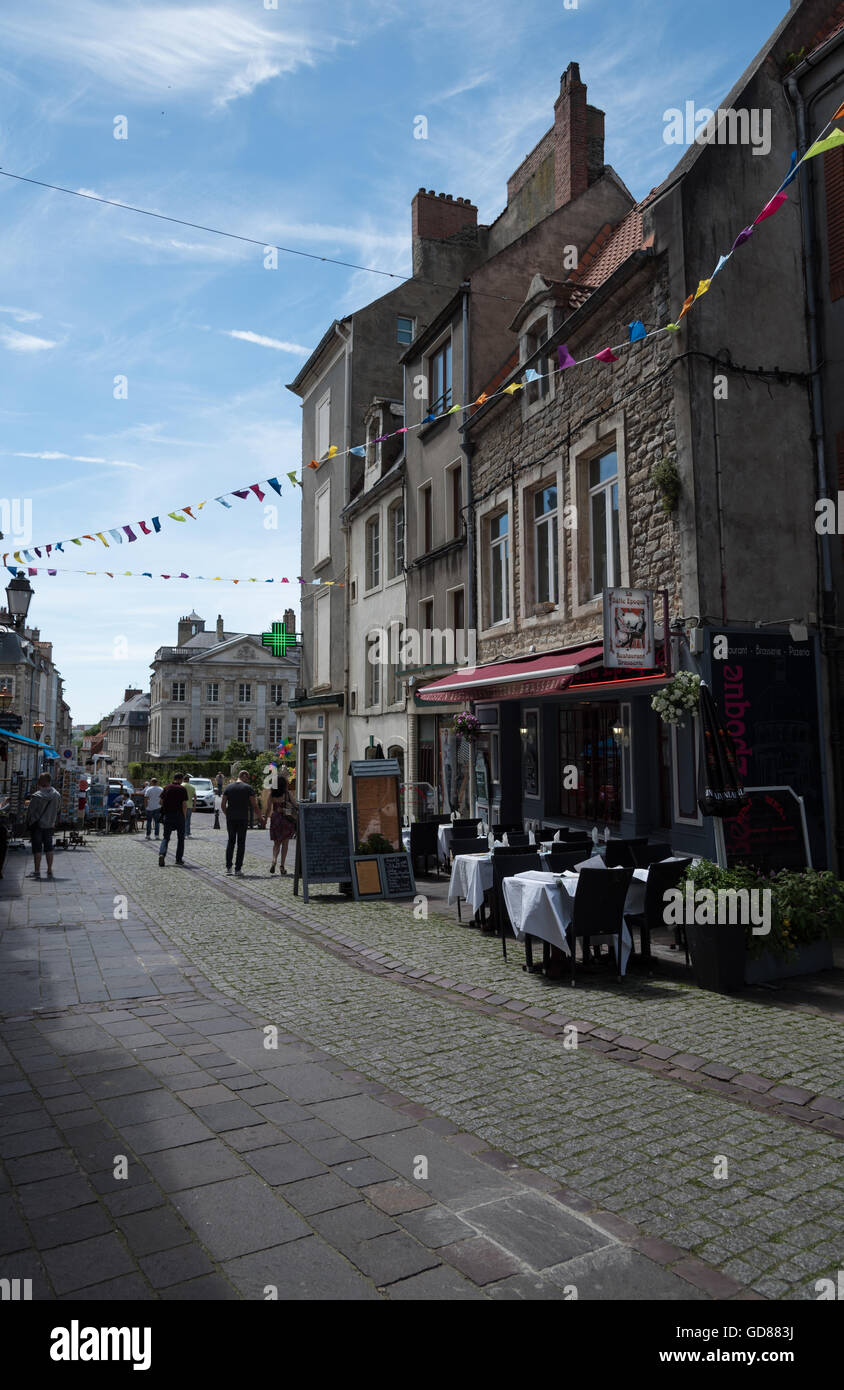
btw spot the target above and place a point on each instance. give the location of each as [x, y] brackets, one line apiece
[470, 520]
[347, 485]
[816, 397]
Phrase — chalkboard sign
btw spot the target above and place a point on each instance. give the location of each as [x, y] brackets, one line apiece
[324, 845]
[398, 876]
[769, 833]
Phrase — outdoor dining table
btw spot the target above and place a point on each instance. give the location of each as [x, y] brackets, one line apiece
[471, 878]
[542, 905]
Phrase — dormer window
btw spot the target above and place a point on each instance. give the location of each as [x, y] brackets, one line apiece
[534, 336]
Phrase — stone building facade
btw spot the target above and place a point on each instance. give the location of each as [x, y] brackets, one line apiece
[216, 686]
[127, 732]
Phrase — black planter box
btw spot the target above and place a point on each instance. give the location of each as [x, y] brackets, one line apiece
[718, 955]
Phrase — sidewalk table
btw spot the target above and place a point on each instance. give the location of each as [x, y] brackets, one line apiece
[471, 878]
[542, 905]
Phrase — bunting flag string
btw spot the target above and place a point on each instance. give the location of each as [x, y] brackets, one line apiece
[637, 332]
[32, 570]
[126, 532]
[830, 138]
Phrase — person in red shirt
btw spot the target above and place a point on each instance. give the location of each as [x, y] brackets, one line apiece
[173, 802]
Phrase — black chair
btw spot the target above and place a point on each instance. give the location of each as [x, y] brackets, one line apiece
[499, 830]
[514, 849]
[517, 837]
[620, 853]
[661, 878]
[471, 845]
[598, 909]
[651, 854]
[423, 844]
[469, 825]
[558, 862]
[507, 866]
[439, 820]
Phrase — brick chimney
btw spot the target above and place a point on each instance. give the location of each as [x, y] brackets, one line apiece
[130, 694]
[220, 634]
[441, 217]
[578, 139]
[289, 620]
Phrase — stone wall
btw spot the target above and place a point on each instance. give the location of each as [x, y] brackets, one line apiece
[507, 450]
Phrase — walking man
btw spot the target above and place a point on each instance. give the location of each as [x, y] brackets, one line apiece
[239, 803]
[190, 791]
[173, 802]
[219, 784]
[152, 803]
[41, 816]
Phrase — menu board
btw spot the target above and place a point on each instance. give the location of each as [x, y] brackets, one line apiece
[324, 845]
[398, 876]
[368, 877]
[768, 833]
[375, 791]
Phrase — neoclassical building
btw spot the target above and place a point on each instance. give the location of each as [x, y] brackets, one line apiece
[215, 686]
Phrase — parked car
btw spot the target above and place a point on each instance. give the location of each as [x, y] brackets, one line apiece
[123, 783]
[204, 793]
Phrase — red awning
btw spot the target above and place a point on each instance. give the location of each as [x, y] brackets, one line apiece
[513, 680]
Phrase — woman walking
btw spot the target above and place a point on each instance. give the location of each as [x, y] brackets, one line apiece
[283, 818]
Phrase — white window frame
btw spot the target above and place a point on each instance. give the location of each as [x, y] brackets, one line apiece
[548, 521]
[453, 523]
[372, 555]
[322, 426]
[405, 318]
[536, 479]
[211, 739]
[500, 546]
[537, 394]
[244, 729]
[499, 502]
[278, 692]
[276, 730]
[322, 658]
[322, 499]
[437, 404]
[587, 446]
[212, 698]
[606, 488]
[175, 740]
[372, 682]
[180, 699]
[427, 485]
[395, 571]
[247, 698]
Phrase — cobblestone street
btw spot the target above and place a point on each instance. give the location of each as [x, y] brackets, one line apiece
[133, 1025]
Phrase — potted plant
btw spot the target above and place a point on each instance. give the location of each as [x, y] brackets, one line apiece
[679, 697]
[718, 948]
[808, 910]
[466, 725]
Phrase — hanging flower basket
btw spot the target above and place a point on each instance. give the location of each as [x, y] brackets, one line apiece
[678, 697]
[466, 725]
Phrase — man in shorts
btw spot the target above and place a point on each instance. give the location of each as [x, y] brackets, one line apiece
[41, 816]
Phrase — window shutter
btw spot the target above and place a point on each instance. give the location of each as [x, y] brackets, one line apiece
[834, 180]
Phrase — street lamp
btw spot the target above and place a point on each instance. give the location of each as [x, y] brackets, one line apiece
[18, 598]
[38, 727]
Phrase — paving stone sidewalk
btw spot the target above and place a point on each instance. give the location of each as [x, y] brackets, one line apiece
[618, 1135]
[152, 1145]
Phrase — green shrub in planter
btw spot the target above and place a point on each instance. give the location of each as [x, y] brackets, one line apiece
[808, 906]
[376, 844]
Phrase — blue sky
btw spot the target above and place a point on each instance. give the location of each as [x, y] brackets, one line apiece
[292, 125]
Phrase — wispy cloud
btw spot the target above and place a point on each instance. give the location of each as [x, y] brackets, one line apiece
[24, 342]
[151, 50]
[52, 455]
[195, 250]
[19, 315]
[259, 338]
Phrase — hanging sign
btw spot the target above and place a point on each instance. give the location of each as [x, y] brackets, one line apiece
[629, 628]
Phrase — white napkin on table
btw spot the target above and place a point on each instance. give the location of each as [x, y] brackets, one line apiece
[596, 862]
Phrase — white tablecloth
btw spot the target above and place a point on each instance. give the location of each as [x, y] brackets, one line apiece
[542, 905]
[444, 842]
[471, 877]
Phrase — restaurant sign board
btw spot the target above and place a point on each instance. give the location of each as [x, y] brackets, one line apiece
[769, 833]
[629, 628]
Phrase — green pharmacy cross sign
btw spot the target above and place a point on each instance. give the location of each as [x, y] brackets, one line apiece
[278, 639]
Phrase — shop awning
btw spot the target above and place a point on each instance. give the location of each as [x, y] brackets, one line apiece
[33, 742]
[513, 680]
